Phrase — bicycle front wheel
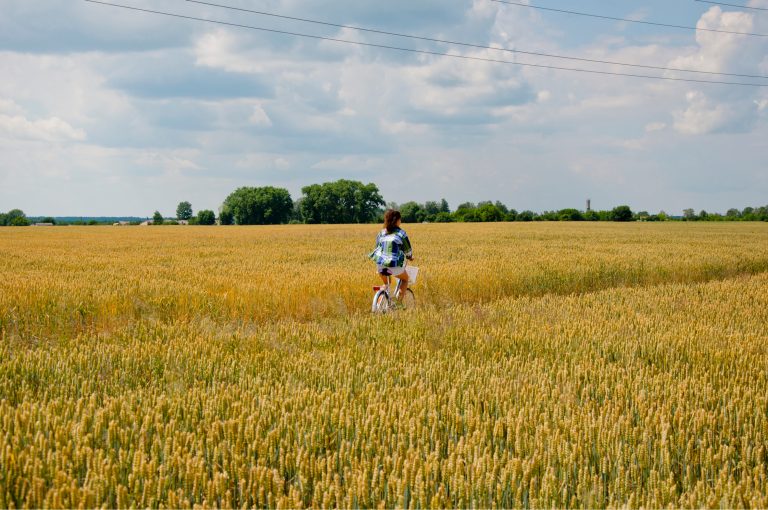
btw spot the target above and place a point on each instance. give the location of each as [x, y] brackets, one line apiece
[380, 302]
[409, 299]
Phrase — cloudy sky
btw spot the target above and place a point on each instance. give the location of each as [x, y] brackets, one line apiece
[108, 111]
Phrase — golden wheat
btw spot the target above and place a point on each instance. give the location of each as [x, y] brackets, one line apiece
[64, 281]
[553, 365]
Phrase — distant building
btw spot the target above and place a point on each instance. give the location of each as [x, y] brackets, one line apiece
[42, 224]
[147, 222]
[121, 223]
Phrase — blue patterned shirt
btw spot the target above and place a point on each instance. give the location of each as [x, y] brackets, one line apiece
[392, 248]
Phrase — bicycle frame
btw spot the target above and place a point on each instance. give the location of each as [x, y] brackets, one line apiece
[381, 289]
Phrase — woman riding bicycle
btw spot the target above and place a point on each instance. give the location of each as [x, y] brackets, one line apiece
[392, 248]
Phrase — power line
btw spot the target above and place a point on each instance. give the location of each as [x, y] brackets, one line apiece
[426, 52]
[470, 45]
[732, 5]
[628, 20]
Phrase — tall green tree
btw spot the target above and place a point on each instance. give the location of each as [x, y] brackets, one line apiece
[412, 212]
[157, 218]
[526, 216]
[621, 213]
[466, 212]
[297, 216]
[342, 201]
[259, 206]
[443, 217]
[570, 215]
[501, 207]
[431, 208]
[487, 211]
[206, 217]
[184, 211]
[225, 216]
[15, 218]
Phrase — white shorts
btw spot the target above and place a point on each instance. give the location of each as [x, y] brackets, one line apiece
[390, 271]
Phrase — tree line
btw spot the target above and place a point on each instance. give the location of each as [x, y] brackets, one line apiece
[347, 201]
[747, 214]
[342, 201]
[14, 218]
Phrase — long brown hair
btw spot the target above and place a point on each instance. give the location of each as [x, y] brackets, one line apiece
[390, 220]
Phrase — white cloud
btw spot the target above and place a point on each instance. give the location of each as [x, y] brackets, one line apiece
[260, 109]
[355, 163]
[259, 117]
[261, 161]
[9, 107]
[639, 15]
[616, 102]
[635, 144]
[403, 128]
[174, 162]
[721, 52]
[655, 126]
[218, 49]
[449, 86]
[50, 130]
[482, 10]
[712, 109]
[703, 115]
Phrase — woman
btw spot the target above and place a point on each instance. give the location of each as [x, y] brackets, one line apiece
[392, 248]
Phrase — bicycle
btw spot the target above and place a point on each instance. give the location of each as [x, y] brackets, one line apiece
[382, 300]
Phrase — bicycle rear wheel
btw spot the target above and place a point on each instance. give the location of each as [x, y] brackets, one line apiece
[380, 302]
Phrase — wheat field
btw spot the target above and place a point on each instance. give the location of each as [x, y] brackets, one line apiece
[546, 365]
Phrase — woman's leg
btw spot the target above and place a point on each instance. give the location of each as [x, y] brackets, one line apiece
[384, 275]
[403, 277]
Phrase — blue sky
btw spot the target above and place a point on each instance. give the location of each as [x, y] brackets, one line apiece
[105, 111]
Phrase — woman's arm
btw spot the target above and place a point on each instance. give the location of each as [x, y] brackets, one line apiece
[407, 248]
